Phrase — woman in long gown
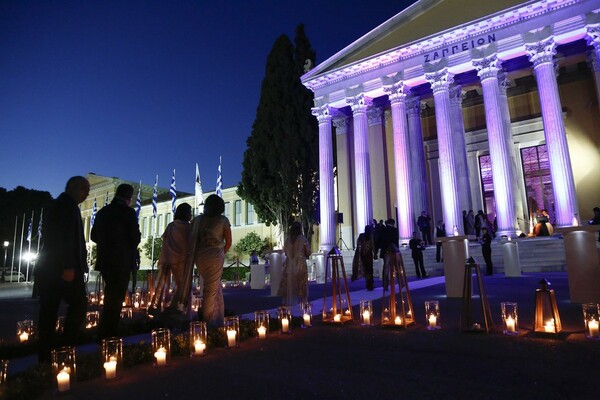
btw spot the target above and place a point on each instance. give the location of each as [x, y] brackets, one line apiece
[362, 263]
[294, 280]
[211, 239]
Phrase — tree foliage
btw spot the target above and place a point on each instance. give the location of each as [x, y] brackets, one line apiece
[253, 242]
[158, 242]
[280, 163]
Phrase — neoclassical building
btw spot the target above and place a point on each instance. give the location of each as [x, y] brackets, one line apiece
[456, 105]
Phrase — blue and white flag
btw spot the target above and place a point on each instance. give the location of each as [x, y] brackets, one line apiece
[40, 224]
[94, 211]
[219, 190]
[154, 196]
[198, 192]
[138, 202]
[106, 200]
[173, 191]
[29, 229]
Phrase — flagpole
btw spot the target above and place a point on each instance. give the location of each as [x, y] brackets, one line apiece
[154, 196]
[40, 231]
[21, 246]
[12, 261]
[29, 246]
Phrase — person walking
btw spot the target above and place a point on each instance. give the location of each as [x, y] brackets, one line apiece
[486, 249]
[389, 242]
[362, 263]
[60, 272]
[293, 287]
[416, 246]
[117, 235]
[424, 224]
[211, 240]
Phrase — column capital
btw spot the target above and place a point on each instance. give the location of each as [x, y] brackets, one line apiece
[323, 113]
[487, 67]
[341, 125]
[503, 82]
[413, 105]
[396, 92]
[374, 115]
[359, 103]
[593, 36]
[439, 80]
[541, 52]
[457, 95]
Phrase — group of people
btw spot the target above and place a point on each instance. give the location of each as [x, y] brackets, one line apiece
[62, 267]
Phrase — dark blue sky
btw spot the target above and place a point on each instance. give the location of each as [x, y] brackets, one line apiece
[137, 88]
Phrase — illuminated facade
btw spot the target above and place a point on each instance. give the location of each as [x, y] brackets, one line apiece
[453, 105]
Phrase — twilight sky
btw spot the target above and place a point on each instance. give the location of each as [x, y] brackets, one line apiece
[137, 88]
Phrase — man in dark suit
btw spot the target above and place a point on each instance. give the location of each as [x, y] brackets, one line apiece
[389, 242]
[59, 274]
[117, 234]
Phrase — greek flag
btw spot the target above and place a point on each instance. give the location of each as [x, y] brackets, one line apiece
[94, 211]
[198, 191]
[173, 192]
[29, 229]
[219, 190]
[138, 202]
[106, 200]
[154, 196]
[40, 225]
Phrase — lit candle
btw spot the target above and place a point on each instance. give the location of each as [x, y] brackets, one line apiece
[432, 321]
[231, 337]
[306, 318]
[199, 347]
[593, 328]
[136, 304]
[549, 327]
[64, 380]
[367, 317]
[23, 337]
[398, 320]
[337, 318]
[110, 368]
[285, 325]
[161, 356]
[510, 324]
[262, 332]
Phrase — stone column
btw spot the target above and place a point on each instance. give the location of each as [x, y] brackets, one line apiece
[593, 36]
[460, 148]
[364, 209]
[418, 169]
[397, 98]
[326, 194]
[565, 203]
[487, 69]
[440, 82]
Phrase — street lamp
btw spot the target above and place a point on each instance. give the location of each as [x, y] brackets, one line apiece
[6, 244]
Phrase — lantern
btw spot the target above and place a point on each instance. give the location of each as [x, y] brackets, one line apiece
[126, 312]
[366, 312]
[284, 314]
[63, 368]
[3, 372]
[60, 324]
[25, 330]
[198, 338]
[591, 319]
[261, 323]
[467, 319]
[93, 298]
[232, 331]
[137, 299]
[397, 307]
[92, 318]
[161, 346]
[510, 318]
[306, 315]
[546, 319]
[336, 308]
[432, 315]
[112, 355]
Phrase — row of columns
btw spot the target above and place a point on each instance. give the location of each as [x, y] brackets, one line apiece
[409, 159]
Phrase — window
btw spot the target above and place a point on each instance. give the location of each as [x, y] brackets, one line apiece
[145, 227]
[161, 226]
[237, 220]
[169, 218]
[227, 211]
[249, 214]
[538, 182]
[487, 186]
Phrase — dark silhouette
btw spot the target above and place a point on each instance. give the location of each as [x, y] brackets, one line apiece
[424, 224]
[596, 219]
[362, 264]
[416, 246]
[486, 249]
[440, 231]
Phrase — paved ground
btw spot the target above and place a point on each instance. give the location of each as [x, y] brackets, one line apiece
[356, 362]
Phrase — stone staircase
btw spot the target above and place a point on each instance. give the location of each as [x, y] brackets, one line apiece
[535, 255]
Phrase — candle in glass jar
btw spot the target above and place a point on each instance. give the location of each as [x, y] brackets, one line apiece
[136, 304]
[285, 325]
[110, 368]
[262, 332]
[549, 327]
[593, 328]
[199, 347]
[63, 379]
[432, 321]
[398, 321]
[510, 324]
[337, 318]
[306, 318]
[23, 337]
[231, 338]
[367, 317]
[161, 356]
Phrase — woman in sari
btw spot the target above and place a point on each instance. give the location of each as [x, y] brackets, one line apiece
[294, 281]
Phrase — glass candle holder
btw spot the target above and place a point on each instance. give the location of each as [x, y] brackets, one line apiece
[25, 330]
[591, 319]
[93, 298]
[92, 318]
[161, 347]
[366, 312]
[112, 355]
[60, 324]
[510, 318]
[3, 372]
[432, 315]
[63, 368]
[306, 314]
[232, 331]
[137, 299]
[126, 313]
[261, 323]
[284, 315]
[198, 338]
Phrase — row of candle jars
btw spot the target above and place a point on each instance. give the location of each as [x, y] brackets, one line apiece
[284, 316]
